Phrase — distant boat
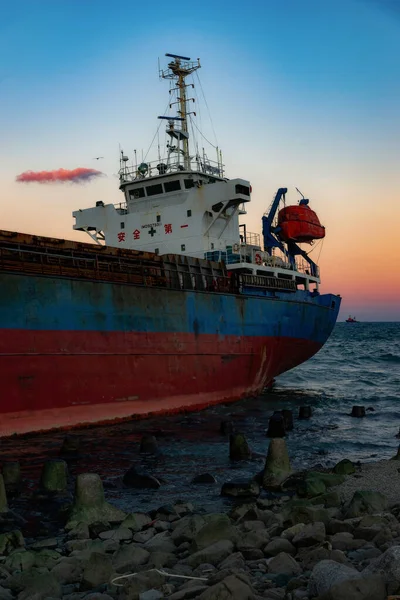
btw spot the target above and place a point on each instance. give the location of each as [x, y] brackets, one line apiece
[351, 320]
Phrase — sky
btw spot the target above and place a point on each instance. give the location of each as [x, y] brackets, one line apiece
[302, 93]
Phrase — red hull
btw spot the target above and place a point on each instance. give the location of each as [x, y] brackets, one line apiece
[86, 383]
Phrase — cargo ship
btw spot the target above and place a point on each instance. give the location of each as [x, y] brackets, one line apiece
[174, 305]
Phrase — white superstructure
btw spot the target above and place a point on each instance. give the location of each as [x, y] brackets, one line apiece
[183, 204]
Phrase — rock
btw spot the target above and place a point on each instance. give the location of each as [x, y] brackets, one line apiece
[252, 554]
[238, 447]
[159, 560]
[40, 587]
[311, 487]
[129, 557]
[216, 527]
[235, 562]
[10, 541]
[80, 532]
[253, 539]
[241, 489]
[291, 532]
[329, 479]
[187, 528]
[284, 563]
[276, 425]
[68, 570]
[279, 545]
[204, 478]
[358, 411]
[336, 581]
[54, 477]
[144, 536]
[161, 542]
[277, 464]
[142, 582]
[287, 419]
[314, 533]
[70, 445]
[233, 587]
[226, 427]
[136, 521]
[342, 541]
[5, 594]
[186, 593]
[11, 472]
[213, 554]
[148, 444]
[123, 534]
[20, 560]
[3, 496]
[46, 543]
[309, 514]
[366, 502]
[141, 481]
[305, 412]
[329, 499]
[89, 503]
[344, 467]
[387, 566]
[47, 558]
[151, 595]
[97, 570]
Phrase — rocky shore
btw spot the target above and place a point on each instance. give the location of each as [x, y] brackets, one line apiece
[322, 534]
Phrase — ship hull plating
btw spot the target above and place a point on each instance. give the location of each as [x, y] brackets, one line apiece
[77, 352]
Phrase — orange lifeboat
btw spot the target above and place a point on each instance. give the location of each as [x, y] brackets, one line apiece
[299, 224]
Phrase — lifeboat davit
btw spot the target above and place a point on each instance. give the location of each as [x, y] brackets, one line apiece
[299, 224]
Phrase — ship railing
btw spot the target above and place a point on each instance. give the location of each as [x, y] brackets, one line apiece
[146, 170]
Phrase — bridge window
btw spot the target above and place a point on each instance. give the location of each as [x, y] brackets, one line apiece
[158, 218]
[122, 225]
[153, 190]
[189, 183]
[189, 213]
[242, 189]
[183, 247]
[136, 193]
[172, 186]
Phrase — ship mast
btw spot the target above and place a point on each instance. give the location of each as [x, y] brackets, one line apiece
[179, 69]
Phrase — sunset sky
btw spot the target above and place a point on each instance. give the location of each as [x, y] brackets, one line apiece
[302, 93]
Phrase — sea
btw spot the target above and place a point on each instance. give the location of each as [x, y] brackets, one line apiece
[359, 365]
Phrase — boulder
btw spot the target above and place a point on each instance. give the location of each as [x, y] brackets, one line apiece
[329, 479]
[133, 479]
[226, 427]
[216, 527]
[233, 587]
[97, 570]
[241, 489]
[204, 478]
[305, 412]
[253, 539]
[276, 425]
[136, 521]
[335, 581]
[311, 487]
[54, 477]
[213, 554]
[40, 587]
[68, 570]
[344, 467]
[128, 557]
[10, 541]
[187, 528]
[358, 411]
[89, 503]
[20, 560]
[291, 532]
[277, 464]
[235, 562]
[387, 566]
[279, 545]
[11, 472]
[314, 533]
[123, 534]
[3, 496]
[70, 445]
[141, 583]
[309, 514]
[284, 563]
[366, 502]
[148, 444]
[161, 542]
[238, 447]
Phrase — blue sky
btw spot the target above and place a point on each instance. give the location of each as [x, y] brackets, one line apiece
[302, 92]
